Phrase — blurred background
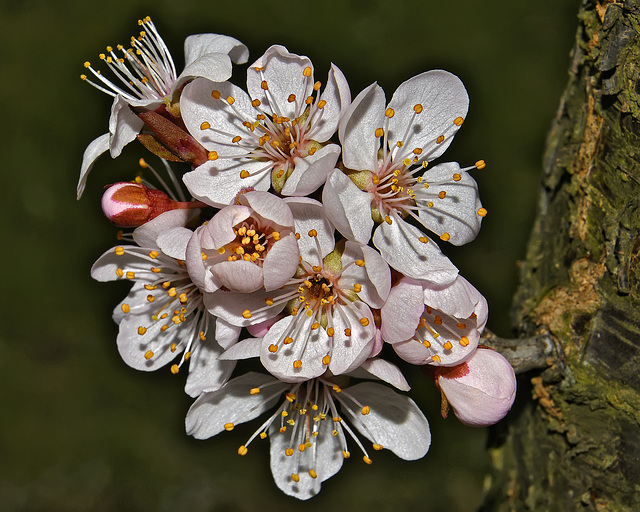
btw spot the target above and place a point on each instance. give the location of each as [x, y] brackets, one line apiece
[80, 430]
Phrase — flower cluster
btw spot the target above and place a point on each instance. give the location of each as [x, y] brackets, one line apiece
[307, 243]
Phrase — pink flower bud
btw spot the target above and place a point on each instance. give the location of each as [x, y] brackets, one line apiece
[481, 391]
[129, 205]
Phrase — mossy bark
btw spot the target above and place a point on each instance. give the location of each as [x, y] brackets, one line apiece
[572, 442]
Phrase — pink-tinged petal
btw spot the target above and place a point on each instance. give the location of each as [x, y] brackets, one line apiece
[219, 231]
[242, 309]
[337, 95]
[443, 99]
[358, 127]
[269, 207]
[281, 262]
[216, 67]
[200, 109]
[309, 347]
[402, 311]
[239, 276]
[350, 350]
[457, 212]
[260, 330]
[348, 207]
[207, 372]
[219, 187]
[232, 404]
[325, 460]
[226, 334]
[198, 272]
[147, 234]
[124, 126]
[284, 75]
[459, 299]
[199, 45]
[311, 171]
[482, 393]
[309, 214]
[245, 349]
[136, 303]
[400, 245]
[395, 422]
[386, 371]
[174, 242]
[91, 154]
[378, 344]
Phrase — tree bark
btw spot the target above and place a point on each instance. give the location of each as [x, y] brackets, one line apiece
[572, 441]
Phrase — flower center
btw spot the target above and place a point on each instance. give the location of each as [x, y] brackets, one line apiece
[251, 243]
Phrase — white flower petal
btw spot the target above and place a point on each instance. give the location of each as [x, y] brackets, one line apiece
[215, 67]
[350, 351]
[91, 154]
[374, 276]
[174, 242]
[281, 262]
[124, 126]
[311, 171]
[309, 214]
[239, 276]
[269, 207]
[456, 213]
[400, 245]
[147, 234]
[358, 126]
[395, 421]
[348, 207]
[198, 45]
[402, 312]
[284, 74]
[325, 459]
[226, 334]
[338, 97]
[231, 404]
[230, 306]
[386, 371]
[245, 349]
[443, 98]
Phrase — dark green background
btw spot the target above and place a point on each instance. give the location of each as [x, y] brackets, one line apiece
[79, 430]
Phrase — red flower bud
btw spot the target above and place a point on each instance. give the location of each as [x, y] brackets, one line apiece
[129, 205]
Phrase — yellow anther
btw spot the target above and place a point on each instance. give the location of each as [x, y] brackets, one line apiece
[379, 132]
[458, 121]
[231, 100]
[317, 85]
[366, 410]
[148, 354]
[417, 108]
[480, 164]
[436, 358]
[426, 343]
[173, 347]
[321, 104]
[154, 254]
[312, 151]
[388, 220]
[482, 212]
[244, 174]
[254, 391]
[377, 447]
[337, 389]
[291, 98]
[273, 348]
[288, 340]
[364, 321]
[242, 450]
[150, 298]
[268, 301]
[442, 194]
[205, 126]
[347, 332]
[457, 177]
[255, 103]
[291, 397]
[346, 454]
[295, 477]
[417, 151]
[297, 364]
[330, 332]
[464, 341]
[142, 330]
[313, 474]
[246, 314]
[423, 239]
[164, 328]
[175, 369]
[448, 345]
[125, 308]
[315, 326]
[326, 360]
[389, 113]
[264, 85]
[155, 270]
[360, 263]
[237, 138]
[307, 71]
[460, 325]
[437, 320]
[313, 233]
[367, 460]
[215, 94]
[130, 275]
[357, 287]
[301, 447]
[119, 251]
[229, 427]
[445, 237]
[440, 139]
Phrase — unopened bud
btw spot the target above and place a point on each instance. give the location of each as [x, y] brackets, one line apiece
[129, 205]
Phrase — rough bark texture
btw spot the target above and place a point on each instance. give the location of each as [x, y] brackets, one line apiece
[573, 440]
